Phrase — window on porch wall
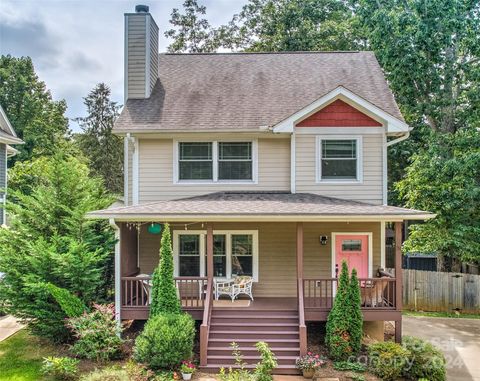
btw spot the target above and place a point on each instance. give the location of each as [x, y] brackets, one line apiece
[233, 254]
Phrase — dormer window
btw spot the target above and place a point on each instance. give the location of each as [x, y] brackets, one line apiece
[339, 159]
[215, 162]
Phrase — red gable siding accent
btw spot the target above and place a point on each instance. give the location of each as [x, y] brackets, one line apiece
[339, 114]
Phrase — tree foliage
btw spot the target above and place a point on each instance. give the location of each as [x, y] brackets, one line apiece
[291, 25]
[445, 179]
[35, 116]
[191, 32]
[50, 241]
[70, 304]
[103, 149]
[164, 291]
[355, 313]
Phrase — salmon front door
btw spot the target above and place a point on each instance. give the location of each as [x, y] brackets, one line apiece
[352, 248]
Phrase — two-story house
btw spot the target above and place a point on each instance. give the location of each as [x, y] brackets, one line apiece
[7, 138]
[269, 165]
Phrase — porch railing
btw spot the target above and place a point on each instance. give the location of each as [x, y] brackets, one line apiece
[136, 291]
[375, 293]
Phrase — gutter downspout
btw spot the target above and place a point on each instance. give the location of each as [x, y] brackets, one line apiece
[387, 144]
[126, 140]
[118, 274]
[293, 179]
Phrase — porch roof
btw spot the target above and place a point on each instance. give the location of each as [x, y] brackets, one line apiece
[260, 206]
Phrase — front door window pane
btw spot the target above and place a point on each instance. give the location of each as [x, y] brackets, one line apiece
[242, 254]
[189, 255]
[351, 245]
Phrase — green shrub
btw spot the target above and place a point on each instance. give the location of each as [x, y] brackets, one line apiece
[268, 362]
[240, 373]
[164, 291]
[70, 304]
[166, 340]
[387, 360]
[97, 334]
[50, 241]
[426, 361]
[355, 320]
[61, 368]
[348, 365]
[344, 323]
[107, 374]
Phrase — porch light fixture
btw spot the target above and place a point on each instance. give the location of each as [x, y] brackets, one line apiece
[323, 240]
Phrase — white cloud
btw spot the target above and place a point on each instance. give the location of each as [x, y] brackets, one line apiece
[76, 44]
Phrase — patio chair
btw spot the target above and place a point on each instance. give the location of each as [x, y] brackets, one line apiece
[373, 293]
[234, 287]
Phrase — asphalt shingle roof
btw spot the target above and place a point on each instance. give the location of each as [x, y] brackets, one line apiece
[250, 90]
[256, 204]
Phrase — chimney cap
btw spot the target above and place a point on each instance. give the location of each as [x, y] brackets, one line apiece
[141, 8]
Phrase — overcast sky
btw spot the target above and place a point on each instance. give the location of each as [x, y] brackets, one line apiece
[75, 44]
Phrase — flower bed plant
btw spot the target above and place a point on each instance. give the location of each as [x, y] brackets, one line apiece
[309, 363]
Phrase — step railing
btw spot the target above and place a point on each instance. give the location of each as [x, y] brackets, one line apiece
[302, 328]
[205, 326]
[375, 293]
[136, 291]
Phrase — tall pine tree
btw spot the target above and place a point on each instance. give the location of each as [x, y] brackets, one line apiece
[103, 149]
[37, 119]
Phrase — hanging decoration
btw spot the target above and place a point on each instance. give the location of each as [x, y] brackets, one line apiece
[154, 228]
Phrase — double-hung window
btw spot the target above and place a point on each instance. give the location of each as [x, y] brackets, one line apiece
[338, 159]
[195, 161]
[234, 253]
[215, 161]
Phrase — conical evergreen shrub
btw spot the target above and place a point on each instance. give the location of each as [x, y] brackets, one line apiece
[338, 337]
[355, 317]
[164, 292]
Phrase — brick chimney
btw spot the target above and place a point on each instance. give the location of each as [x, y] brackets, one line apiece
[141, 53]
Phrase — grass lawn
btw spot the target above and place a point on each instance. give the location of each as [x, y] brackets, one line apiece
[441, 314]
[21, 357]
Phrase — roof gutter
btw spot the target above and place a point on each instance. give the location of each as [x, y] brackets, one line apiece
[398, 140]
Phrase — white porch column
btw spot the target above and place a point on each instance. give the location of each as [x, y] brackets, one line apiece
[118, 274]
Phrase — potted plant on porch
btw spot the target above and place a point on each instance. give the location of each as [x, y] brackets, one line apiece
[187, 369]
[309, 363]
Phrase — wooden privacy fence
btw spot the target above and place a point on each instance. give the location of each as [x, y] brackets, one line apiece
[440, 291]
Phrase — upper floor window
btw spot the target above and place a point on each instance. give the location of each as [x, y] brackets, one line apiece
[216, 161]
[338, 159]
[195, 161]
[235, 161]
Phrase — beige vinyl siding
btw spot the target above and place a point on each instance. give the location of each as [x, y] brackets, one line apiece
[153, 54]
[370, 190]
[277, 257]
[136, 51]
[156, 171]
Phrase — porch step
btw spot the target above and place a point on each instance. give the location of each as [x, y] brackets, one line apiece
[280, 369]
[277, 328]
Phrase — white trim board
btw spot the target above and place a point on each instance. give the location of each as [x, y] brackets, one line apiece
[393, 124]
[370, 250]
[203, 249]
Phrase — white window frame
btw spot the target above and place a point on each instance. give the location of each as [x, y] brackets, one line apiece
[215, 160]
[203, 250]
[318, 159]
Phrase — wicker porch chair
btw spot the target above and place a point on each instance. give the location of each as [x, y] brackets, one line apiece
[240, 285]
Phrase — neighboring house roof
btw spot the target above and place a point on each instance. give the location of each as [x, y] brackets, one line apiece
[248, 91]
[261, 205]
[7, 133]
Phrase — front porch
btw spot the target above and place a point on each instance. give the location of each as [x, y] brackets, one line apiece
[290, 244]
[294, 272]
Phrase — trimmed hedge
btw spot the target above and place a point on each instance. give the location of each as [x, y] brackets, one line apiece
[166, 340]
